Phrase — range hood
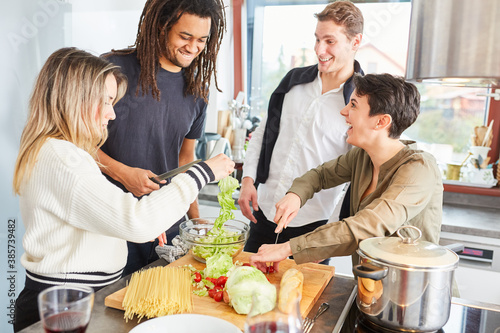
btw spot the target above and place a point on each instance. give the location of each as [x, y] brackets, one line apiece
[455, 42]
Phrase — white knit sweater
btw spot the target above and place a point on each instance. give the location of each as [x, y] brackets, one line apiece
[77, 222]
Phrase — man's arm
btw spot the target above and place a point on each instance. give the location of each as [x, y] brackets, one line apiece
[135, 180]
[187, 155]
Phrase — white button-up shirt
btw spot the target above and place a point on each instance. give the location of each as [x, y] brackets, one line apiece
[312, 131]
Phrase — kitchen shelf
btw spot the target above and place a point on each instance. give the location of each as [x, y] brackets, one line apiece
[493, 192]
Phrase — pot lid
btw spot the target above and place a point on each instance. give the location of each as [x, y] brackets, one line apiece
[409, 252]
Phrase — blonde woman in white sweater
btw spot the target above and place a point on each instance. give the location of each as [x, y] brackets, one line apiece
[77, 222]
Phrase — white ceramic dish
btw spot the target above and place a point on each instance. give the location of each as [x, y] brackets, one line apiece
[186, 323]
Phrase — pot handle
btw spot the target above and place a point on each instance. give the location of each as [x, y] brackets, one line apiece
[367, 270]
[409, 240]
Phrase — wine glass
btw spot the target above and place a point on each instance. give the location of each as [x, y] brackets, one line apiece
[65, 309]
[275, 320]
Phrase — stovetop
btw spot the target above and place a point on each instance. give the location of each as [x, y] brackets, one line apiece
[463, 319]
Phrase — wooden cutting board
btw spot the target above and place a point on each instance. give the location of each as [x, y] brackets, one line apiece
[316, 278]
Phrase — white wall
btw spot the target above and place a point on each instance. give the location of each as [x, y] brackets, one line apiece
[225, 76]
[30, 30]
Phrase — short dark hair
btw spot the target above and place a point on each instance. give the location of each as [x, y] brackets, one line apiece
[343, 13]
[392, 95]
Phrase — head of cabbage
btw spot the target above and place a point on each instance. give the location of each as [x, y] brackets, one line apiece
[245, 282]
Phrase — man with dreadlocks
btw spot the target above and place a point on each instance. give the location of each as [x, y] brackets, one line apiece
[163, 112]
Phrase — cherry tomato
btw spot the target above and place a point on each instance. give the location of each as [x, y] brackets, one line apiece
[218, 296]
[212, 292]
[197, 277]
[247, 264]
[221, 281]
[269, 269]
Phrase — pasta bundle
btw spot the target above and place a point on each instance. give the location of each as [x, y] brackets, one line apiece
[158, 291]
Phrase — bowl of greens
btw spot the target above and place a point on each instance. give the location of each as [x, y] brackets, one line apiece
[206, 238]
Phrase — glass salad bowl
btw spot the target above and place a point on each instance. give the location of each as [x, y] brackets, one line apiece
[204, 240]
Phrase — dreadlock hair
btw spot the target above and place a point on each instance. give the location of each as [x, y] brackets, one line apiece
[157, 19]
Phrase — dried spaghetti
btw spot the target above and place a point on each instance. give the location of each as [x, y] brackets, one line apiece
[158, 291]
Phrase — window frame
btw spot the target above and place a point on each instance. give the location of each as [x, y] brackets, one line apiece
[254, 8]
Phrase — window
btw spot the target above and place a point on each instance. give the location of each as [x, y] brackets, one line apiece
[448, 114]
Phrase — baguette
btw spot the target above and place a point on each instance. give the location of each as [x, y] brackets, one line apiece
[290, 289]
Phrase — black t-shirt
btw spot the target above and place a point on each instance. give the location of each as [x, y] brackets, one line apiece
[148, 133]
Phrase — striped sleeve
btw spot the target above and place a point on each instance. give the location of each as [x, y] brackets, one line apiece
[201, 173]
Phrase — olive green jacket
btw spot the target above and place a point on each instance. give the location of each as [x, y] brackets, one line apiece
[409, 192]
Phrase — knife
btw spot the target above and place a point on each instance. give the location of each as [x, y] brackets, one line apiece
[278, 234]
[173, 172]
[276, 242]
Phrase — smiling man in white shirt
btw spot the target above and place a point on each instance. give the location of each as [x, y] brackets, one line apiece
[303, 129]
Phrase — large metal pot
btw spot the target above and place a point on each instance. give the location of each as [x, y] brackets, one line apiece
[405, 284]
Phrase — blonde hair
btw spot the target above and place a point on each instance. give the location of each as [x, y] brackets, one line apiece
[68, 91]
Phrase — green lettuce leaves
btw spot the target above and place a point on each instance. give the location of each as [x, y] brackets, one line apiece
[218, 234]
[227, 186]
[218, 265]
[247, 284]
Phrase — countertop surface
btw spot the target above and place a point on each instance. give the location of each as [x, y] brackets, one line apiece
[104, 319]
[339, 294]
[471, 220]
[457, 218]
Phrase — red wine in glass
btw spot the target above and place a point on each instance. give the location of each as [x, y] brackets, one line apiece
[269, 327]
[238, 165]
[238, 170]
[66, 322]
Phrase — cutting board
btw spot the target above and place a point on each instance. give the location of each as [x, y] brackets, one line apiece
[316, 278]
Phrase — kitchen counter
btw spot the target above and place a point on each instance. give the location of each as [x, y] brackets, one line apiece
[471, 220]
[457, 218]
[337, 293]
[340, 294]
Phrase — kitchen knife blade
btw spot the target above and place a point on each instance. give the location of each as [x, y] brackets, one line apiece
[277, 235]
[173, 172]
[276, 242]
